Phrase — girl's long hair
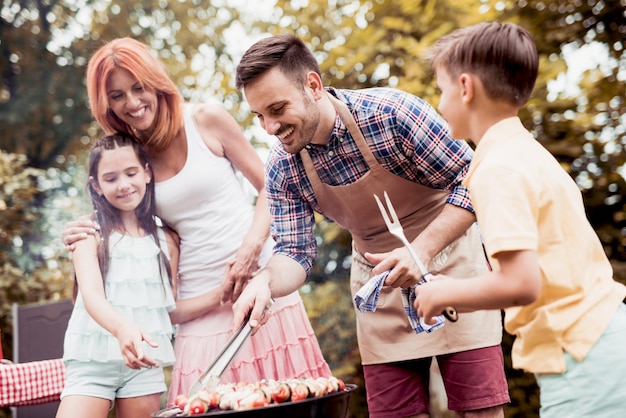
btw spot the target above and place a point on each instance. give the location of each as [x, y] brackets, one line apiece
[151, 73]
[108, 216]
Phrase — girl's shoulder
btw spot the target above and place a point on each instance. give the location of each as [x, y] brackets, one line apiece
[86, 247]
[166, 233]
[91, 241]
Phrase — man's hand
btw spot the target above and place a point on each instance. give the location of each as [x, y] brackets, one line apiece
[281, 276]
[253, 300]
[403, 271]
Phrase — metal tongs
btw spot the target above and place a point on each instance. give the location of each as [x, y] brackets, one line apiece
[396, 229]
[211, 376]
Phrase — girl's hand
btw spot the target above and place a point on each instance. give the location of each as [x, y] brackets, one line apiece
[131, 340]
[77, 230]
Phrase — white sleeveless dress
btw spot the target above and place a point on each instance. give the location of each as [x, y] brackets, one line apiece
[206, 205]
[139, 292]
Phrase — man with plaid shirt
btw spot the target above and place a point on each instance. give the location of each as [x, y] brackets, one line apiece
[336, 149]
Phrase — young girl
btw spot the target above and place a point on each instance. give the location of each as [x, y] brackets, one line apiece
[119, 335]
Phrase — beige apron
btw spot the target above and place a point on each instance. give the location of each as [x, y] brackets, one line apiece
[386, 335]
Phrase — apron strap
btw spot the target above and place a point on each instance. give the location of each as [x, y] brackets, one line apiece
[348, 120]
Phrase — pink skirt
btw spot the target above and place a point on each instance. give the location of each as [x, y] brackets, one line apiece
[284, 347]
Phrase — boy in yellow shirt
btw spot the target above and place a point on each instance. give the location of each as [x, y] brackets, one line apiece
[550, 273]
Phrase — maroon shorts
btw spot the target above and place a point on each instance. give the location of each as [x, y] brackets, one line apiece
[473, 380]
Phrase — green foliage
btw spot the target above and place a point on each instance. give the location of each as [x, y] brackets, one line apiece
[584, 129]
[523, 388]
[18, 188]
[41, 96]
[21, 279]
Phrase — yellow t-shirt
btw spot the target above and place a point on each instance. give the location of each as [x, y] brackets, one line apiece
[524, 200]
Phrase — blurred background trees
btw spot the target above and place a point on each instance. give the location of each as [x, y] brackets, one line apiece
[577, 112]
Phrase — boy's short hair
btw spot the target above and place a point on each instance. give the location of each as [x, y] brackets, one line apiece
[502, 55]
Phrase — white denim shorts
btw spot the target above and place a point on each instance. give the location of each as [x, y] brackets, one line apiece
[594, 387]
[111, 380]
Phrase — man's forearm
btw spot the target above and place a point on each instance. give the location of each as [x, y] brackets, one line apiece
[448, 226]
[285, 275]
[280, 277]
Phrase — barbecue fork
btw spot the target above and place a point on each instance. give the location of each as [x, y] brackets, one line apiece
[395, 228]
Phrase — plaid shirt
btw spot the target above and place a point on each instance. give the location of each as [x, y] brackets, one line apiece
[407, 137]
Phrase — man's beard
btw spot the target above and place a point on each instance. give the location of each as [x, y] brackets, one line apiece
[309, 127]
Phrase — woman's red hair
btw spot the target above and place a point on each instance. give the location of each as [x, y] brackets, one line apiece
[136, 58]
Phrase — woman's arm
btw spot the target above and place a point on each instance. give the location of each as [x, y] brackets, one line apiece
[224, 137]
[90, 285]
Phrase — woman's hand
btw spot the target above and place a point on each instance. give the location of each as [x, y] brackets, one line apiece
[238, 272]
[77, 230]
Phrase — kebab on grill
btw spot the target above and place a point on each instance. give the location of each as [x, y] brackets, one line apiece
[243, 396]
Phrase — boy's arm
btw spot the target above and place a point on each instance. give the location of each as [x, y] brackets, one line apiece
[515, 282]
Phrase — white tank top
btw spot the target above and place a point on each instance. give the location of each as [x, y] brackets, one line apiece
[206, 205]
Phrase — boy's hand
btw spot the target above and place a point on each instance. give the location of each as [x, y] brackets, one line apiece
[429, 301]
